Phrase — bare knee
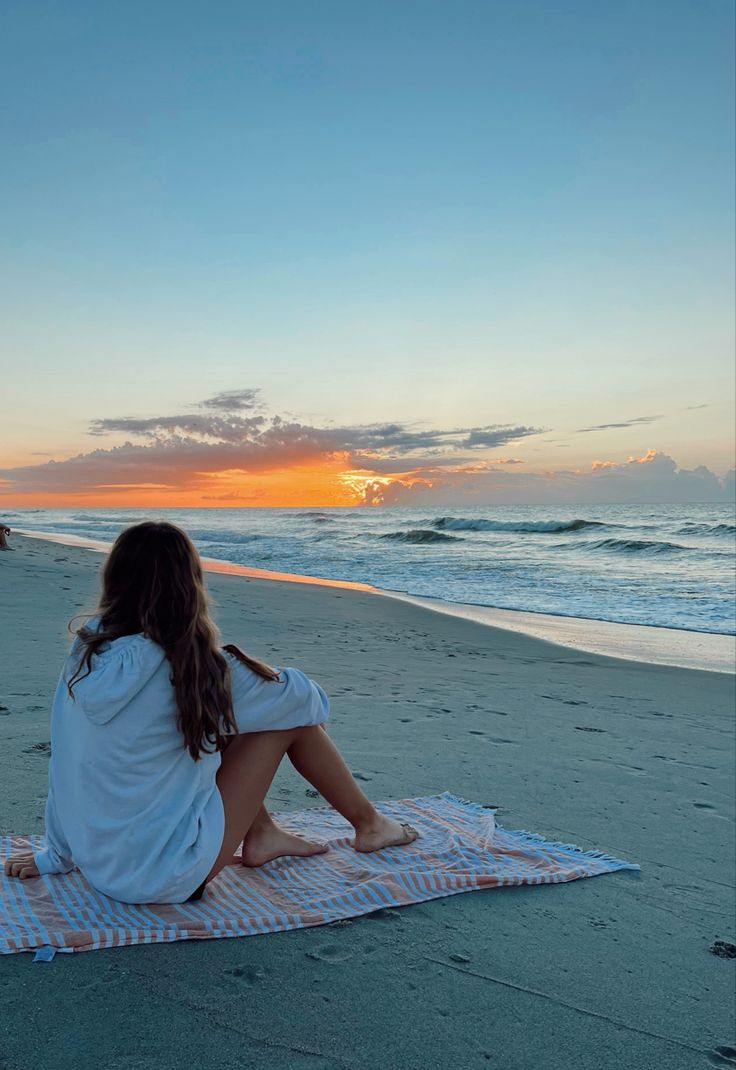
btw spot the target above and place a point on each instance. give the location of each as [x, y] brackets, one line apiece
[304, 732]
[272, 740]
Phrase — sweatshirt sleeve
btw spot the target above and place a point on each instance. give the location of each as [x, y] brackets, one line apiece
[259, 705]
[56, 858]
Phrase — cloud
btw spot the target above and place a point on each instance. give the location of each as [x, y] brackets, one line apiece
[653, 478]
[181, 464]
[210, 453]
[490, 437]
[622, 423]
[650, 457]
[423, 464]
[163, 429]
[401, 441]
[185, 452]
[232, 400]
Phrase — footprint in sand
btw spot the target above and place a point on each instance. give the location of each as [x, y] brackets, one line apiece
[723, 949]
[38, 748]
[329, 953]
[383, 912]
[247, 975]
[723, 1055]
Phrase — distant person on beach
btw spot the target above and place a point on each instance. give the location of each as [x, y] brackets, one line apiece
[164, 744]
[4, 532]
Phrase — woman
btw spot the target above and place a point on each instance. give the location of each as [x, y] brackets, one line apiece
[164, 745]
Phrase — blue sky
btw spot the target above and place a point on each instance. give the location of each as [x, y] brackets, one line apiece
[446, 215]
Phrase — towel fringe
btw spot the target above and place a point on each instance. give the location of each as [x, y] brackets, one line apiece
[534, 837]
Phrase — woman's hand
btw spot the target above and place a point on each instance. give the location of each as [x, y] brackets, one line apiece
[22, 865]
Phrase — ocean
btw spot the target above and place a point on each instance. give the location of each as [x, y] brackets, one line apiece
[663, 566]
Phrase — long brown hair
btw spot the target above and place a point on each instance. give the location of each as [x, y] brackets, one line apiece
[152, 583]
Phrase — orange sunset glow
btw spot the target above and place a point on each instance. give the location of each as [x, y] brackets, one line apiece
[231, 450]
[321, 484]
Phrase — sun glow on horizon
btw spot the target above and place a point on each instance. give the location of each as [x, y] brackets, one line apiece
[321, 484]
[301, 486]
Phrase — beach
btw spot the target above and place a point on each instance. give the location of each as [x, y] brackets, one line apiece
[628, 757]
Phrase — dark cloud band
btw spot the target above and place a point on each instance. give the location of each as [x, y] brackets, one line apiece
[622, 423]
[183, 451]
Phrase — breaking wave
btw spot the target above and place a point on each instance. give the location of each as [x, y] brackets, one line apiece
[458, 523]
[420, 535]
[632, 546]
[708, 529]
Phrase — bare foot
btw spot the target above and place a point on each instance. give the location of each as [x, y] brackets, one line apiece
[384, 832]
[272, 842]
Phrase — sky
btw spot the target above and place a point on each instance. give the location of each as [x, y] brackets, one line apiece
[402, 252]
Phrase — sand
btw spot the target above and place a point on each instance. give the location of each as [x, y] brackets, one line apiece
[631, 758]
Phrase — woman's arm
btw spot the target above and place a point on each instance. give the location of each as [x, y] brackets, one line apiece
[56, 857]
[261, 705]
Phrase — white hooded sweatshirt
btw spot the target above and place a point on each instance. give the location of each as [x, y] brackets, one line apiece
[127, 804]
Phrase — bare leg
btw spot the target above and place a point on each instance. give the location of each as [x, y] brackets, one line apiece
[266, 840]
[317, 759]
[248, 767]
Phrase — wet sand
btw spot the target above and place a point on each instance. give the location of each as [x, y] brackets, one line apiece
[630, 758]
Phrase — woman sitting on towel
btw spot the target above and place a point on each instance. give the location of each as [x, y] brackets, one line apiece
[164, 744]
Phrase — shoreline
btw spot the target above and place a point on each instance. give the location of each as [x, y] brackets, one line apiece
[644, 643]
[703, 651]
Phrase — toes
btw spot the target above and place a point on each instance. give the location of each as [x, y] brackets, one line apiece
[313, 848]
[408, 835]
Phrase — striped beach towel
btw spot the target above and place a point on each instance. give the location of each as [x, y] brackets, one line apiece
[460, 849]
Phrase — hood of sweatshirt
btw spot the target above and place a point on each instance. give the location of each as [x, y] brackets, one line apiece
[120, 670]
